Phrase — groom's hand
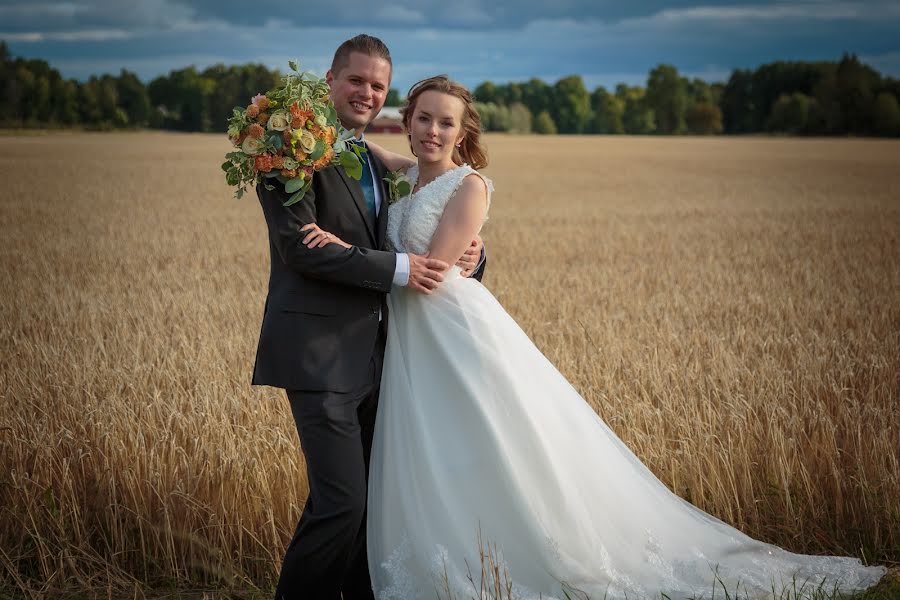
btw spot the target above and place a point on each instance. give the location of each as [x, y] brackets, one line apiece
[468, 262]
[425, 274]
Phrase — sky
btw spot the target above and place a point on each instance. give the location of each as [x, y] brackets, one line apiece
[604, 41]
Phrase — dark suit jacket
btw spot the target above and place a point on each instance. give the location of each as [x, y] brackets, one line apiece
[321, 315]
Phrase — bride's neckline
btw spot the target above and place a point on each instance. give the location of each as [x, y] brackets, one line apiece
[416, 181]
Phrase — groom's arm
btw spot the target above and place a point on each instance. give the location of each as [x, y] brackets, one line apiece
[354, 266]
[478, 273]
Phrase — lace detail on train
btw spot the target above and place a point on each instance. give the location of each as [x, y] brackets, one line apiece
[479, 438]
[413, 219]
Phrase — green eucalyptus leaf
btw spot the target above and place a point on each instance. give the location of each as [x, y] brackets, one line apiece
[295, 197]
[272, 173]
[318, 151]
[276, 140]
[293, 185]
[352, 165]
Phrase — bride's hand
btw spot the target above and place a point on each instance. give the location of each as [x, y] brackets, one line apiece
[319, 238]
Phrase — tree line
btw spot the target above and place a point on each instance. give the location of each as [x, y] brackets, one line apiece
[845, 97]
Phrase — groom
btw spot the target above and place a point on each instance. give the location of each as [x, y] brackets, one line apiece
[323, 334]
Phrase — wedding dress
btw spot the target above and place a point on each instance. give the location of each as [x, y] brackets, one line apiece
[481, 444]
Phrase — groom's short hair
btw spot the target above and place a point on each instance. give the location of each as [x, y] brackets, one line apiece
[365, 44]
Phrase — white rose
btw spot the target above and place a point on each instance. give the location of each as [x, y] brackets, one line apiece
[320, 120]
[252, 146]
[307, 141]
[279, 121]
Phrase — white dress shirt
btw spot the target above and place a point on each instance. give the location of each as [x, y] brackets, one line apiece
[401, 269]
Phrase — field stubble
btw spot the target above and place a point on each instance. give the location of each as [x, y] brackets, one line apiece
[731, 307]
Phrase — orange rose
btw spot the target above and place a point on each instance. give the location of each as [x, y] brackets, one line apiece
[289, 173]
[262, 118]
[277, 162]
[252, 111]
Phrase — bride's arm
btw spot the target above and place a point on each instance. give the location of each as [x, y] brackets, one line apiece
[391, 160]
[461, 220]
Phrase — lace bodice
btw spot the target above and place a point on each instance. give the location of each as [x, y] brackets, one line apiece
[413, 219]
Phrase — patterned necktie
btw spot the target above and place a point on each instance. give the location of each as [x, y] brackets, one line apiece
[365, 182]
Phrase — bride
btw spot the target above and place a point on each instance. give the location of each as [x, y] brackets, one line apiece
[484, 452]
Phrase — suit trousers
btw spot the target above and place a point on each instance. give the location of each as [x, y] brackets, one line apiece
[326, 559]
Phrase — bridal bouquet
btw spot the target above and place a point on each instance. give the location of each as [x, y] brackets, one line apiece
[286, 135]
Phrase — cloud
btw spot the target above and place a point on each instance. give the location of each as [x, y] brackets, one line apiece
[82, 35]
[399, 14]
[784, 11]
[702, 40]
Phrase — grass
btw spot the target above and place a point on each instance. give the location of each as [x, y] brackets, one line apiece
[730, 307]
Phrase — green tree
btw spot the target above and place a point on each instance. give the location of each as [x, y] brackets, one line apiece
[886, 115]
[494, 117]
[133, 99]
[234, 86]
[486, 92]
[637, 117]
[393, 97]
[185, 96]
[537, 96]
[667, 97]
[704, 118]
[737, 102]
[571, 109]
[608, 111]
[519, 118]
[544, 124]
[65, 94]
[511, 93]
[790, 114]
[854, 94]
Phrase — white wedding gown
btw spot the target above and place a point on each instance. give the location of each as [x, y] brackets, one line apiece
[478, 434]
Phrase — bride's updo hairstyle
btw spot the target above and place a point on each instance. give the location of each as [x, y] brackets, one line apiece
[470, 150]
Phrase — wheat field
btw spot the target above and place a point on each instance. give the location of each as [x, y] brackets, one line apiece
[731, 307]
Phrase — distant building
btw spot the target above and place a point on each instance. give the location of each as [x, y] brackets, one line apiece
[387, 121]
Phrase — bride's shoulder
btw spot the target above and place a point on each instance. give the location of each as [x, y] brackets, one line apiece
[475, 180]
[473, 187]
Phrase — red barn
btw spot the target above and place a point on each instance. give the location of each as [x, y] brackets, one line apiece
[387, 121]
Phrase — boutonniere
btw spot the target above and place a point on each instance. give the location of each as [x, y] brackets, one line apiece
[398, 185]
